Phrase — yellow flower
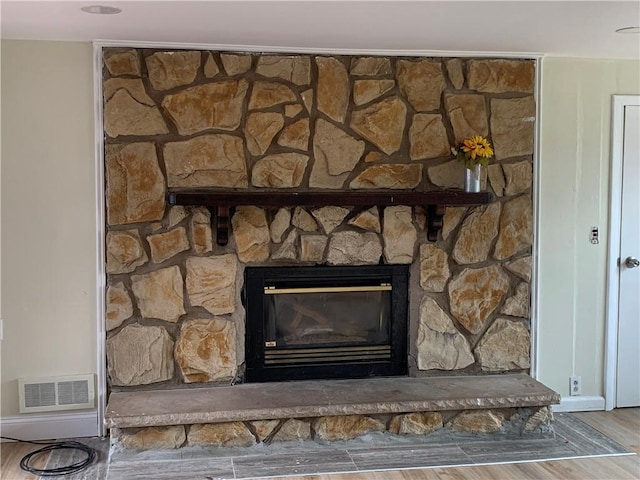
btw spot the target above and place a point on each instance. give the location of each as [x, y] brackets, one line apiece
[477, 146]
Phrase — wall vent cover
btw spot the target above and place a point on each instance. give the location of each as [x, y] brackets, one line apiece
[56, 393]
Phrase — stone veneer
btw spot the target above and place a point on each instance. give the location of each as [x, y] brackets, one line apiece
[302, 122]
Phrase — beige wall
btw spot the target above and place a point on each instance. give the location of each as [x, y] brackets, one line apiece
[574, 189]
[48, 213]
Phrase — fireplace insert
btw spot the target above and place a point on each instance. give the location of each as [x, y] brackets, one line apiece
[325, 322]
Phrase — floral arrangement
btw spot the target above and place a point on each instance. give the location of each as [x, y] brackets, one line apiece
[473, 151]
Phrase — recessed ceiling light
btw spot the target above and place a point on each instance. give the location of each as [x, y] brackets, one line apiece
[101, 10]
[628, 30]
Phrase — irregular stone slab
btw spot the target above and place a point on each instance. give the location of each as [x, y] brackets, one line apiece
[468, 115]
[434, 268]
[139, 355]
[366, 90]
[370, 66]
[505, 346]
[544, 416]
[496, 178]
[353, 248]
[213, 105]
[516, 228]
[260, 129]
[282, 170]
[475, 293]
[330, 217]
[428, 137]
[280, 224]
[346, 427]
[230, 434]
[447, 175]
[451, 219]
[421, 82]
[518, 177]
[119, 305]
[312, 248]
[213, 160]
[518, 304]
[521, 267]
[135, 184]
[201, 237]
[499, 76]
[133, 86]
[303, 220]
[251, 234]
[291, 111]
[123, 115]
[394, 176]
[168, 70]
[123, 63]
[296, 135]
[206, 350]
[399, 235]
[476, 235]
[159, 294]
[295, 69]
[336, 154]
[211, 68]
[293, 429]
[289, 248]
[512, 126]
[177, 213]
[166, 245]
[264, 428]
[454, 70]
[382, 123]
[153, 438]
[416, 423]
[368, 220]
[332, 88]
[235, 64]
[477, 421]
[268, 94]
[440, 345]
[372, 157]
[211, 283]
[124, 251]
[307, 99]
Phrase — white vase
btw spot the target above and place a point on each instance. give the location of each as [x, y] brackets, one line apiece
[472, 178]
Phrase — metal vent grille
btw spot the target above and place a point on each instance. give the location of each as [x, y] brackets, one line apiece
[39, 394]
[56, 393]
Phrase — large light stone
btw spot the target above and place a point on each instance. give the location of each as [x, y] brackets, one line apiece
[447, 175]
[393, 176]
[280, 224]
[500, 76]
[268, 94]
[336, 153]
[516, 228]
[496, 179]
[312, 248]
[124, 115]
[159, 294]
[123, 63]
[307, 99]
[119, 305]
[366, 90]
[416, 423]
[333, 88]
[281, 170]
[475, 293]
[454, 70]
[135, 184]
[399, 235]
[153, 438]
[330, 217]
[477, 234]
[206, 350]
[370, 66]
[518, 177]
[428, 137]
[505, 346]
[291, 111]
[201, 236]
[477, 421]
[421, 82]
[177, 213]
[251, 233]
[440, 346]
[303, 220]
[139, 355]
[264, 428]
[295, 68]
[512, 126]
[124, 251]
[468, 115]
[166, 245]
[296, 135]
[353, 248]
[235, 64]
[211, 68]
[168, 70]
[293, 429]
[451, 220]
[346, 427]
[434, 268]
[518, 304]
[521, 267]
[229, 434]
[213, 160]
[382, 123]
[211, 283]
[289, 248]
[368, 220]
[260, 129]
[213, 105]
[133, 86]
[544, 416]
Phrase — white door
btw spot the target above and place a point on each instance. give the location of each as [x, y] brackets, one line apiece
[628, 364]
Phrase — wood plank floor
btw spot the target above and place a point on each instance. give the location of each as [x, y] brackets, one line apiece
[622, 425]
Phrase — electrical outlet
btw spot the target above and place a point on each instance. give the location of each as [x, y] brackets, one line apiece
[575, 387]
[594, 235]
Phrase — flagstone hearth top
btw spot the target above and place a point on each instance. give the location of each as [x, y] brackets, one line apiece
[315, 398]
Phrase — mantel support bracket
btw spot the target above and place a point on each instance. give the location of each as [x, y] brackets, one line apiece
[434, 221]
[220, 223]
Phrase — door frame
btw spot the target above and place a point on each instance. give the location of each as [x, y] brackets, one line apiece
[618, 103]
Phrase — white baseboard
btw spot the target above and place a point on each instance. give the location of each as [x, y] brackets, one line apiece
[579, 404]
[50, 426]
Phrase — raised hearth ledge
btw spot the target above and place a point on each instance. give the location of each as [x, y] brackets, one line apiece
[316, 398]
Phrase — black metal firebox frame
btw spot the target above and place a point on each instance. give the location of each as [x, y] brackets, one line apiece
[255, 280]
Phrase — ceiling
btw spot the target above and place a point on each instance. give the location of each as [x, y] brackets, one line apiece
[572, 28]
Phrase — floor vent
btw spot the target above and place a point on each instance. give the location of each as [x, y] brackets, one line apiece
[56, 393]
